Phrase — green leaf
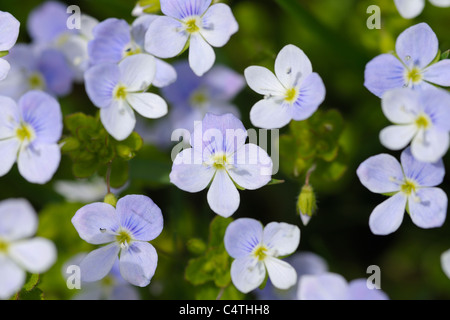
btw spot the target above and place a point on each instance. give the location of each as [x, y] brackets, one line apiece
[275, 181]
[196, 246]
[445, 54]
[119, 173]
[85, 169]
[217, 230]
[31, 282]
[69, 144]
[4, 53]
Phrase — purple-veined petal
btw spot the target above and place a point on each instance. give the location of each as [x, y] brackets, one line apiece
[223, 196]
[8, 150]
[281, 238]
[424, 173]
[48, 21]
[137, 72]
[383, 73]
[141, 216]
[358, 290]
[263, 81]
[401, 105]
[409, 9]
[38, 163]
[435, 104]
[445, 262]
[430, 145]
[36, 255]
[98, 263]
[180, 9]
[311, 95]
[247, 273]
[18, 219]
[100, 82]
[397, 137]
[118, 119]
[270, 114]
[165, 38]
[281, 274]
[148, 105]
[242, 236]
[201, 55]
[327, 286]
[252, 167]
[381, 174]
[438, 73]
[9, 30]
[292, 66]
[138, 263]
[219, 25]
[428, 207]
[12, 277]
[188, 172]
[417, 45]
[388, 216]
[165, 74]
[96, 223]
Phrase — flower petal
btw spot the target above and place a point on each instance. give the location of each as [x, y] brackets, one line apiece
[380, 173]
[358, 290]
[247, 273]
[270, 114]
[98, 263]
[137, 72]
[38, 163]
[47, 22]
[165, 74]
[409, 9]
[441, 3]
[282, 238]
[401, 105]
[4, 69]
[417, 45]
[438, 73]
[223, 83]
[100, 82]
[8, 150]
[425, 174]
[36, 255]
[219, 25]
[56, 71]
[118, 119]
[141, 216]
[383, 73]
[242, 236]
[92, 219]
[292, 66]
[18, 219]
[12, 277]
[435, 104]
[165, 38]
[223, 197]
[201, 55]
[430, 145]
[428, 208]
[327, 286]
[9, 31]
[312, 94]
[148, 105]
[138, 263]
[263, 81]
[445, 262]
[180, 9]
[281, 274]
[397, 137]
[388, 216]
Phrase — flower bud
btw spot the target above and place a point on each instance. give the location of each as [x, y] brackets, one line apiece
[111, 199]
[307, 203]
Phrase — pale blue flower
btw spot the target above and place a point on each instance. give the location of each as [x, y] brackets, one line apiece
[18, 252]
[412, 65]
[219, 158]
[411, 185]
[118, 89]
[294, 92]
[126, 231]
[115, 40]
[192, 23]
[9, 32]
[256, 249]
[29, 134]
[332, 286]
[445, 262]
[410, 9]
[421, 118]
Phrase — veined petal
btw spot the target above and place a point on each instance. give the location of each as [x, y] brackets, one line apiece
[148, 105]
[137, 72]
[247, 273]
[18, 219]
[8, 150]
[138, 263]
[417, 45]
[36, 255]
[188, 172]
[397, 137]
[388, 216]
[98, 263]
[180, 9]
[380, 174]
[12, 277]
[165, 38]
[100, 82]
[435, 104]
[38, 163]
[383, 73]
[292, 66]
[430, 145]
[223, 197]
[327, 286]
[9, 30]
[428, 207]
[141, 216]
[282, 238]
[438, 73]
[119, 119]
[263, 81]
[270, 114]
[201, 55]
[358, 290]
[409, 9]
[219, 25]
[424, 173]
[94, 223]
[242, 236]
[401, 105]
[281, 274]
[311, 95]
[4, 69]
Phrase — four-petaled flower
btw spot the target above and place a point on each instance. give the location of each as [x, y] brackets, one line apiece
[126, 231]
[18, 222]
[256, 249]
[412, 66]
[29, 134]
[411, 185]
[9, 32]
[410, 9]
[420, 117]
[220, 158]
[192, 23]
[118, 89]
[293, 92]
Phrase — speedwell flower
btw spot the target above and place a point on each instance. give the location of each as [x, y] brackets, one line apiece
[411, 186]
[256, 249]
[9, 31]
[293, 92]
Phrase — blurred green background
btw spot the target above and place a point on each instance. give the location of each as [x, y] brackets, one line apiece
[334, 35]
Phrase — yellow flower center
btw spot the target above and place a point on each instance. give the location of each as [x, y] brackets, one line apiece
[423, 121]
[291, 95]
[191, 25]
[25, 132]
[120, 92]
[132, 51]
[260, 253]
[36, 81]
[414, 75]
[124, 238]
[3, 246]
[219, 161]
[198, 98]
[409, 187]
